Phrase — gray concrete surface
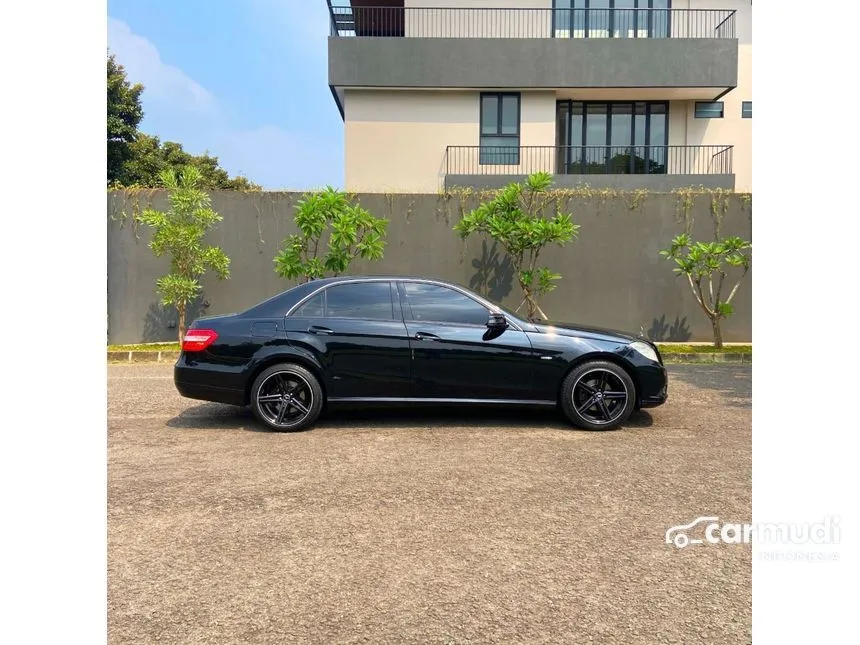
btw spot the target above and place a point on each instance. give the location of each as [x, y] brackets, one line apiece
[613, 276]
[534, 62]
[657, 183]
[425, 527]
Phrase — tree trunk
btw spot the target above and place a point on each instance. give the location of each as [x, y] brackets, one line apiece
[718, 334]
[181, 325]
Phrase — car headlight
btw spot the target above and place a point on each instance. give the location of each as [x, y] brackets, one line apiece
[645, 349]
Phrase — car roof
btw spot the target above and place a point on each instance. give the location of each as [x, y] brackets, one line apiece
[352, 278]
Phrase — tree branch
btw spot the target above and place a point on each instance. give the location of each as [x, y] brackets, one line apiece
[732, 294]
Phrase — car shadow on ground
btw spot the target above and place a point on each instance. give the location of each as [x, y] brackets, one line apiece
[214, 416]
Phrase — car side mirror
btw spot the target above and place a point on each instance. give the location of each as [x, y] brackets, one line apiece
[497, 321]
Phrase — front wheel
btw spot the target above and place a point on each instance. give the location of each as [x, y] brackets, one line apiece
[598, 395]
[286, 398]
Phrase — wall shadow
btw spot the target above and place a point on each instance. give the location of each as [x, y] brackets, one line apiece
[675, 332]
[494, 275]
[160, 322]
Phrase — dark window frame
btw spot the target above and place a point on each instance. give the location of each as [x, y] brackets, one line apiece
[746, 109]
[696, 114]
[407, 307]
[498, 134]
[609, 104]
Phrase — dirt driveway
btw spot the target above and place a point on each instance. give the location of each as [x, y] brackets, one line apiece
[426, 527]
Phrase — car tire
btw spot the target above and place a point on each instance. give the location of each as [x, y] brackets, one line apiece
[286, 398]
[609, 409]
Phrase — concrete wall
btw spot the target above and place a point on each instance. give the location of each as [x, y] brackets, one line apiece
[538, 63]
[613, 275]
[656, 183]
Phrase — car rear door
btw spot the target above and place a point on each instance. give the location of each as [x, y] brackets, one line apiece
[455, 355]
[355, 330]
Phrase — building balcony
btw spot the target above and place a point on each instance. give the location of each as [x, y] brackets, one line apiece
[657, 168]
[674, 53]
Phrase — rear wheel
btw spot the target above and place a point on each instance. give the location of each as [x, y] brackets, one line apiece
[286, 398]
[598, 395]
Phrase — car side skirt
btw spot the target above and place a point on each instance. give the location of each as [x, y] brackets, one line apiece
[407, 400]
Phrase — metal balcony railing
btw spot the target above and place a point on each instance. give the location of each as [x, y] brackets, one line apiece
[589, 160]
[475, 22]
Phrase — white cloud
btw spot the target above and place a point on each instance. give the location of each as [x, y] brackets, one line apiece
[189, 113]
[164, 83]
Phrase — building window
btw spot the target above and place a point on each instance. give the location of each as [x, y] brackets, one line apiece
[616, 137]
[746, 110]
[709, 110]
[500, 129]
[612, 18]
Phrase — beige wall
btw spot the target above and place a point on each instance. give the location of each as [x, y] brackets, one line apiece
[684, 128]
[396, 140]
[488, 19]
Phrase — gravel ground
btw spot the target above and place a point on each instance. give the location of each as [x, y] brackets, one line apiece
[426, 526]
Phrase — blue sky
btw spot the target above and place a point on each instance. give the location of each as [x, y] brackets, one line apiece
[245, 80]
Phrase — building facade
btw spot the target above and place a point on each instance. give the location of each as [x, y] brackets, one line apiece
[652, 94]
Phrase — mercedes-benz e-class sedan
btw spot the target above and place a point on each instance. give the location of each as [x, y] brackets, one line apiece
[406, 340]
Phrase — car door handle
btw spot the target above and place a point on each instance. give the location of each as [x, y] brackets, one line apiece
[316, 329]
[423, 335]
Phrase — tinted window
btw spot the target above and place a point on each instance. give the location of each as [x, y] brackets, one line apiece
[709, 110]
[360, 300]
[313, 308]
[430, 302]
[746, 110]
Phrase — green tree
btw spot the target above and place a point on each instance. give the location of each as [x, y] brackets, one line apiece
[178, 232]
[333, 231]
[138, 159]
[706, 265]
[516, 220]
[150, 157]
[124, 113]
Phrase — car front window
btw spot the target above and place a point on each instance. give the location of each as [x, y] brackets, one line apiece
[435, 303]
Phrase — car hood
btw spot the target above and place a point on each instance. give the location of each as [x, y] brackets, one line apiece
[582, 331]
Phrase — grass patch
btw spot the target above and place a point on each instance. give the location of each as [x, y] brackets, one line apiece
[150, 347]
[703, 349]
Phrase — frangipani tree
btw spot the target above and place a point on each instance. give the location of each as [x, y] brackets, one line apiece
[333, 231]
[706, 266]
[515, 219]
[179, 232]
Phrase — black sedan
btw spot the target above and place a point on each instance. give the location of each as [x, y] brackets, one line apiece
[404, 340]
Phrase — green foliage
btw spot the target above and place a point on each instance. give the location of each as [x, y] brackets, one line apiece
[706, 266]
[150, 157]
[124, 113]
[138, 159]
[333, 231]
[178, 232]
[515, 219]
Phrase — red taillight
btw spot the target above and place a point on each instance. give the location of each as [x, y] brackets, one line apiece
[196, 340]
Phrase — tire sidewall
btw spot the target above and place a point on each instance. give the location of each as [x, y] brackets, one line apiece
[566, 399]
[297, 370]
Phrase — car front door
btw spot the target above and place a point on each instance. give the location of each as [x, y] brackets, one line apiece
[455, 355]
[356, 332]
